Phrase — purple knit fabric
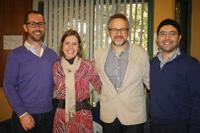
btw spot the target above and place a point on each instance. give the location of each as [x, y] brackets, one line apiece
[28, 81]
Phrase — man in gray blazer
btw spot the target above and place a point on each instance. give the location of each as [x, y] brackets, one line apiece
[123, 69]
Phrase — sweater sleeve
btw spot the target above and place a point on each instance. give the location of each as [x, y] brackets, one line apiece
[10, 84]
[194, 83]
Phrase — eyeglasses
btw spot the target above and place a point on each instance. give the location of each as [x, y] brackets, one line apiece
[115, 31]
[35, 24]
[169, 33]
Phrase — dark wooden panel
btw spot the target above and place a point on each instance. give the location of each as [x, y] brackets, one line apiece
[12, 16]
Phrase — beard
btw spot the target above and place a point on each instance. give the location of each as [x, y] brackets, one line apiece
[169, 49]
[36, 37]
[119, 44]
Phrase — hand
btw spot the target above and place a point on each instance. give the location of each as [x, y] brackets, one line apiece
[93, 61]
[27, 121]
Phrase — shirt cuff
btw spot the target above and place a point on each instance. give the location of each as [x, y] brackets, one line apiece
[23, 114]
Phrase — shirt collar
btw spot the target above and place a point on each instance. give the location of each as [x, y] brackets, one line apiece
[174, 55]
[32, 49]
[29, 46]
[124, 51]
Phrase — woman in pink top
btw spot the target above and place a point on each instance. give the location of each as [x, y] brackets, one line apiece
[72, 75]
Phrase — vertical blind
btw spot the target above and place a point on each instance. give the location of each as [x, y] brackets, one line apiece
[89, 18]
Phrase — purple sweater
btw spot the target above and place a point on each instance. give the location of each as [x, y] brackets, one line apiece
[28, 81]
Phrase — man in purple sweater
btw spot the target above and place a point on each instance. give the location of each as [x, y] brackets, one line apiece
[28, 82]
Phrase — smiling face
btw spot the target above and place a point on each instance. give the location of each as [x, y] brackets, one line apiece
[70, 47]
[168, 39]
[118, 32]
[35, 27]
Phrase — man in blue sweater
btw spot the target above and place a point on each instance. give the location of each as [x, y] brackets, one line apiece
[174, 84]
[28, 81]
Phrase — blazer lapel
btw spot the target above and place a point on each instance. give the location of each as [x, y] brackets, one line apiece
[104, 57]
[129, 68]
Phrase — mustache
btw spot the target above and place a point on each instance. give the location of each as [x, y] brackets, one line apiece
[121, 44]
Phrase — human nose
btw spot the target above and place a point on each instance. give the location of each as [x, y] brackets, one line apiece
[168, 35]
[118, 31]
[70, 45]
[37, 27]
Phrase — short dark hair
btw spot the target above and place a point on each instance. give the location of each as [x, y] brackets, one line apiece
[31, 12]
[116, 16]
[169, 22]
[71, 32]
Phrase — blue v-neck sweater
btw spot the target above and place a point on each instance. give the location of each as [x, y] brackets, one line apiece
[175, 91]
[28, 81]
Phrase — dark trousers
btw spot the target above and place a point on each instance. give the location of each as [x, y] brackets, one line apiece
[169, 128]
[43, 123]
[117, 127]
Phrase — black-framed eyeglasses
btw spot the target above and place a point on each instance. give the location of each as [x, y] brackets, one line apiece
[115, 30]
[35, 24]
[168, 33]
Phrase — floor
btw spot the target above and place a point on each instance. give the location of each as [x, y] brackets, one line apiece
[5, 126]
